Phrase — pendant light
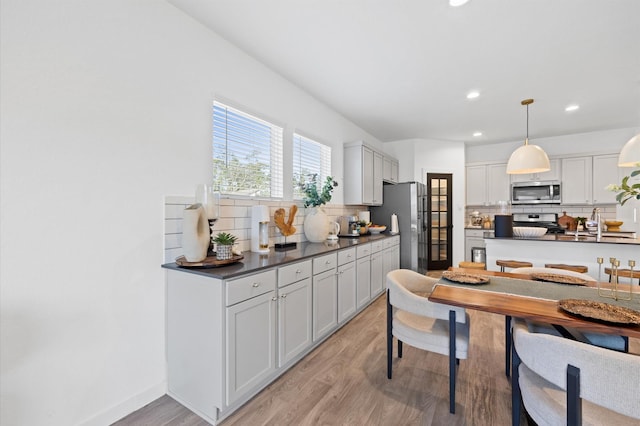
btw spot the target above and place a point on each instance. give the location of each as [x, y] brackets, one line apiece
[630, 154]
[528, 158]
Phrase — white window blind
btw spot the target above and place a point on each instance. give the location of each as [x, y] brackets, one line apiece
[247, 154]
[309, 158]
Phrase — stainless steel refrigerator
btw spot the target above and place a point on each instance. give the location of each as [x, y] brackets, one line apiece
[407, 201]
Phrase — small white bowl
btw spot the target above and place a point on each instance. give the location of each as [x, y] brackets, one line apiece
[529, 231]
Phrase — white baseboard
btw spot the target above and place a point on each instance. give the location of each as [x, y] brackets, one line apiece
[126, 407]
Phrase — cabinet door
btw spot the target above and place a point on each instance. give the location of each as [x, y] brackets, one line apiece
[367, 176]
[552, 174]
[386, 169]
[394, 171]
[576, 180]
[377, 278]
[325, 303]
[294, 320]
[251, 344]
[605, 172]
[377, 178]
[498, 183]
[476, 181]
[363, 291]
[346, 291]
[471, 242]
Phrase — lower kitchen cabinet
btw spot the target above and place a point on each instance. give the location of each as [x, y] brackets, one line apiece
[390, 256]
[346, 291]
[294, 320]
[325, 303]
[251, 344]
[377, 277]
[363, 274]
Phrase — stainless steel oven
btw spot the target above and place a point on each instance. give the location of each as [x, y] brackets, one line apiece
[545, 192]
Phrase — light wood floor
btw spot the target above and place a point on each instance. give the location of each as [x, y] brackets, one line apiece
[344, 382]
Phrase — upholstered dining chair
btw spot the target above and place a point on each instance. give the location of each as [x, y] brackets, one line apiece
[565, 382]
[609, 341]
[433, 327]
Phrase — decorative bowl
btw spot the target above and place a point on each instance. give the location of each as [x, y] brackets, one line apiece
[613, 225]
[377, 229]
[529, 231]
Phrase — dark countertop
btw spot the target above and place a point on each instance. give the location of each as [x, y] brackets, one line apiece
[572, 239]
[254, 262]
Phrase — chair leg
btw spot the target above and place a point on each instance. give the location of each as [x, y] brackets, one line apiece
[507, 344]
[399, 348]
[515, 387]
[389, 336]
[574, 402]
[452, 362]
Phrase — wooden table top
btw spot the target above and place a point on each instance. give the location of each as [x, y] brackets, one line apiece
[520, 306]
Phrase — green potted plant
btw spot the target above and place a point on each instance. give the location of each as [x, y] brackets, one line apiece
[580, 222]
[224, 243]
[316, 221]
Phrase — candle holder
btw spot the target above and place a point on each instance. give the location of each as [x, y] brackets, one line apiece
[613, 292]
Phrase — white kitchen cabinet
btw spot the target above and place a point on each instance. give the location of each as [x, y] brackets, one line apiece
[498, 183]
[486, 184]
[325, 303]
[390, 256]
[294, 320]
[251, 344]
[605, 172]
[363, 275]
[390, 170]
[577, 180]
[377, 179]
[363, 174]
[377, 277]
[346, 284]
[553, 174]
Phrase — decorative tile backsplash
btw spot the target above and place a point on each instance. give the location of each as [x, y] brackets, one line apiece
[235, 218]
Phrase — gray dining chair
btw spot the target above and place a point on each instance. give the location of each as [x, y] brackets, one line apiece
[565, 382]
[433, 327]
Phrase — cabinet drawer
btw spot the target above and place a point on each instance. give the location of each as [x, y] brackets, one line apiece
[376, 246]
[247, 287]
[292, 273]
[346, 256]
[324, 263]
[364, 250]
[478, 233]
[390, 242]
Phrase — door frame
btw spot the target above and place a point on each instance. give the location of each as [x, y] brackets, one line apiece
[446, 263]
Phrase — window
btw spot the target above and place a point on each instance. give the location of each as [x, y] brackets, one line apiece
[247, 154]
[309, 157]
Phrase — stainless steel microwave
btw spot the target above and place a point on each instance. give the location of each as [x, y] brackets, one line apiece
[535, 192]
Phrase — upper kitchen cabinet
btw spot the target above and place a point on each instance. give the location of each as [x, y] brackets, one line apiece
[363, 173]
[605, 172]
[486, 184]
[553, 174]
[390, 170]
[577, 182]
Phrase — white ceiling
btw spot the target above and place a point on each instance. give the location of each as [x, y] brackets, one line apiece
[402, 68]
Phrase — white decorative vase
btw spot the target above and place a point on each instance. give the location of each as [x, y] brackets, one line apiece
[195, 233]
[316, 225]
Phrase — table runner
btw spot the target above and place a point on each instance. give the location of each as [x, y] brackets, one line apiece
[545, 290]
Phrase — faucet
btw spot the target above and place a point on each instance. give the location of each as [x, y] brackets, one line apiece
[595, 216]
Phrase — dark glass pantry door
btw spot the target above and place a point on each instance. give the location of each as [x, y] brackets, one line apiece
[438, 220]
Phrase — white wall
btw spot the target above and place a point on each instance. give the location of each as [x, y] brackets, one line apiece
[606, 141]
[417, 157]
[106, 108]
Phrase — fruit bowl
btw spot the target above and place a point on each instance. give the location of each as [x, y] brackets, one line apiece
[529, 231]
[613, 225]
[377, 229]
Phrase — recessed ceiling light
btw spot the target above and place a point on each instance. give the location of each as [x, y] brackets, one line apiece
[473, 95]
[456, 3]
[476, 134]
[572, 108]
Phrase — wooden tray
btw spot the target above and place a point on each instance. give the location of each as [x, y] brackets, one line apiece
[558, 278]
[600, 311]
[209, 262]
[462, 278]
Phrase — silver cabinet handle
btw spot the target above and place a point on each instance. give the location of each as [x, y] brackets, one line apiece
[256, 285]
[349, 255]
[328, 262]
[274, 298]
[284, 296]
[298, 271]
